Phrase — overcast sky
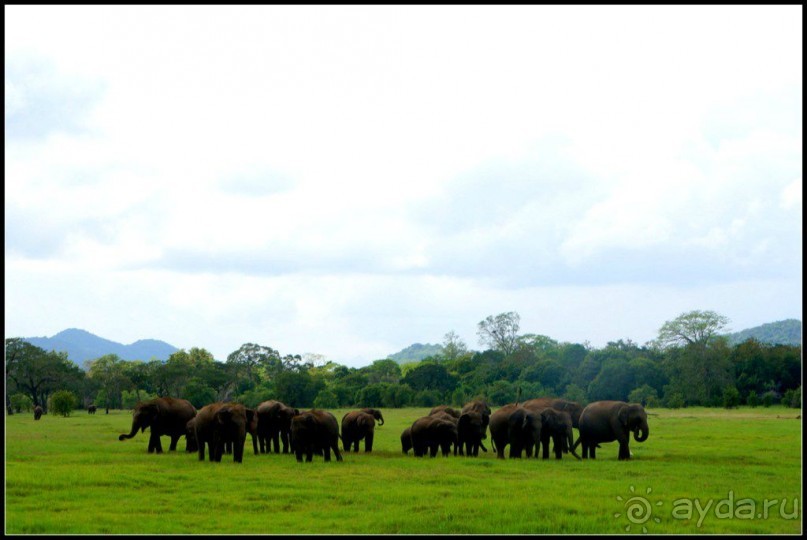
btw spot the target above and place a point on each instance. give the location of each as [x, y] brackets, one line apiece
[349, 180]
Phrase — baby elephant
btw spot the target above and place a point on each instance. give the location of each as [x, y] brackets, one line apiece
[37, 412]
[358, 425]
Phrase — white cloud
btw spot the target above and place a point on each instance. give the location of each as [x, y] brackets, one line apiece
[791, 195]
[303, 174]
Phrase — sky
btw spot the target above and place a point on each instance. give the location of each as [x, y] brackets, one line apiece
[345, 181]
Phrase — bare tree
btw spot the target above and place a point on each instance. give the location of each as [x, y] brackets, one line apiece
[500, 332]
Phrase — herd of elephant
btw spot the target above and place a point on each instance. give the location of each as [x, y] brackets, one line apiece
[526, 428]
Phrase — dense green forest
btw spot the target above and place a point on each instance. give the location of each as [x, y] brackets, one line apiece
[690, 363]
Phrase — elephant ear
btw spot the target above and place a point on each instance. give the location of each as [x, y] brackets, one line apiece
[223, 414]
[623, 415]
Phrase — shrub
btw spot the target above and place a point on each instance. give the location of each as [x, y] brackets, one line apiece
[21, 403]
[62, 402]
[427, 398]
[645, 394]
[326, 399]
[575, 393]
[731, 397]
[768, 398]
[792, 398]
[675, 400]
[753, 399]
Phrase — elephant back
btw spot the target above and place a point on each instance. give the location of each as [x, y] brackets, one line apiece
[444, 415]
[445, 409]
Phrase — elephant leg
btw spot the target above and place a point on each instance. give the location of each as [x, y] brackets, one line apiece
[368, 442]
[557, 446]
[285, 439]
[593, 451]
[174, 441]
[309, 457]
[299, 455]
[255, 444]
[154, 443]
[201, 450]
[238, 451]
[336, 451]
[624, 451]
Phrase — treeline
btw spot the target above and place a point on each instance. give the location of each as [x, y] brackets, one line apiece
[689, 364]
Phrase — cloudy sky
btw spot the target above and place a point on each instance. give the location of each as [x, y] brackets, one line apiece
[346, 181]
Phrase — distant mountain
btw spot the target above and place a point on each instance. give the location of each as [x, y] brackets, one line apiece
[416, 352]
[787, 332]
[82, 345]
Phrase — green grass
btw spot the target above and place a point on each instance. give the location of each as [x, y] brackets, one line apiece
[72, 476]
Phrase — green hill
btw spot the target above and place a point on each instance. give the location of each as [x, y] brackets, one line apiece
[416, 352]
[787, 332]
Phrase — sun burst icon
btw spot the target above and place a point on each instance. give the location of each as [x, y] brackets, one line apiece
[638, 509]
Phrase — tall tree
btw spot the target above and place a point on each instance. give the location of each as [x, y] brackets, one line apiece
[500, 332]
[453, 346]
[36, 372]
[701, 370]
[17, 350]
[110, 373]
[692, 328]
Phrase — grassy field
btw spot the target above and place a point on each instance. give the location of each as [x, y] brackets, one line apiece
[702, 471]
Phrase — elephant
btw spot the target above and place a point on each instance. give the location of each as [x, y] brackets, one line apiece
[556, 425]
[218, 424]
[38, 412]
[315, 431]
[358, 425]
[445, 408]
[406, 440]
[165, 416]
[572, 407]
[430, 432]
[190, 436]
[608, 421]
[470, 432]
[91, 409]
[274, 425]
[252, 429]
[480, 406]
[516, 426]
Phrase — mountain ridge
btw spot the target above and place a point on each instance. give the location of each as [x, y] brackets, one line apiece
[82, 345]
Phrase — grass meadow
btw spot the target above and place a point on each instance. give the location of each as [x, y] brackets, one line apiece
[701, 471]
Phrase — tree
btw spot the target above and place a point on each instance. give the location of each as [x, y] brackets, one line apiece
[430, 376]
[36, 372]
[500, 332]
[692, 328]
[250, 363]
[388, 371]
[63, 402]
[109, 371]
[17, 350]
[453, 346]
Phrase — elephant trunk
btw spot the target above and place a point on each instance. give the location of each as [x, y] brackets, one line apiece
[137, 423]
[135, 427]
[572, 444]
[380, 420]
[641, 433]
